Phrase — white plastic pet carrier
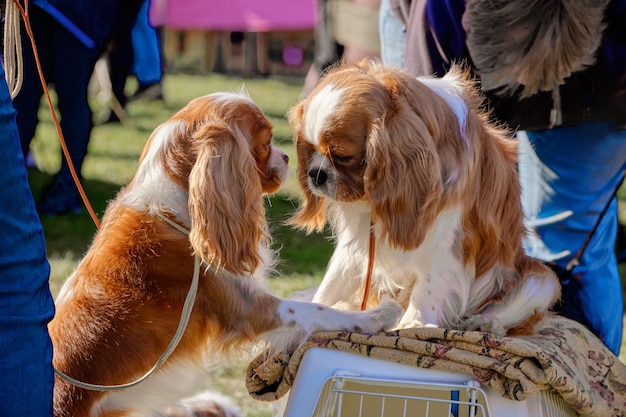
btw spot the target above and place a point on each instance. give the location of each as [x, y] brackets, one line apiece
[336, 383]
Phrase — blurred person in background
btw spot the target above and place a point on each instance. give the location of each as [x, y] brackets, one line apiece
[326, 49]
[140, 54]
[392, 31]
[354, 24]
[347, 31]
[555, 72]
[70, 36]
[147, 57]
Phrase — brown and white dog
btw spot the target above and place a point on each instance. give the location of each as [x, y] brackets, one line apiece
[419, 162]
[205, 169]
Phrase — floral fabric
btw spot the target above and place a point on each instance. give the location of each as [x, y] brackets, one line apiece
[563, 357]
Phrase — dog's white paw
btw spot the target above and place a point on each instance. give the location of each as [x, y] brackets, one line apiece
[483, 323]
[415, 324]
[385, 316]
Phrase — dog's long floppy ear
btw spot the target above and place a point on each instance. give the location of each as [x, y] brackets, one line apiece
[225, 201]
[311, 215]
[403, 177]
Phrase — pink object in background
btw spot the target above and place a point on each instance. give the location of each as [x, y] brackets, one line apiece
[235, 15]
[293, 55]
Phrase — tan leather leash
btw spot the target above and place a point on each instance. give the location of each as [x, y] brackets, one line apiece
[370, 267]
[81, 191]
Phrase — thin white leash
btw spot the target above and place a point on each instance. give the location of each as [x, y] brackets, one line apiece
[182, 326]
[12, 51]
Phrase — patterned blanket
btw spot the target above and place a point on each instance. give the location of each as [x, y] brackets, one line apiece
[563, 356]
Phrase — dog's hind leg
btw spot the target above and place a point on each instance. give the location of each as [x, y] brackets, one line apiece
[523, 305]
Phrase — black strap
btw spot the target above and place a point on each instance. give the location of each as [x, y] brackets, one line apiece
[576, 259]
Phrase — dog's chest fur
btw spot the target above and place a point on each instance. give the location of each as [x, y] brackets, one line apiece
[434, 270]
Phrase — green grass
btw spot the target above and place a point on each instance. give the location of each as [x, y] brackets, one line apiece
[111, 163]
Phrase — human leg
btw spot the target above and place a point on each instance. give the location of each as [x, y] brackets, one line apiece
[577, 168]
[26, 304]
[326, 49]
[392, 36]
[28, 100]
[71, 85]
[120, 59]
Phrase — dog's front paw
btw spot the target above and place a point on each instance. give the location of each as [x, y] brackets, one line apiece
[385, 316]
[483, 323]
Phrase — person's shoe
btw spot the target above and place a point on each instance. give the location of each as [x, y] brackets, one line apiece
[148, 92]
[60, 198]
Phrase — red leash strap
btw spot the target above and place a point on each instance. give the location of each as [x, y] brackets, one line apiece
[370, 267]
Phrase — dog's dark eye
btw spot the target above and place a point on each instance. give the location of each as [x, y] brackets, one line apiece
[342, 159]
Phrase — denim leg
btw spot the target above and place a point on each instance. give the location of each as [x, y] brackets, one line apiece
[26, 304]
[577, 169]
[392, 36]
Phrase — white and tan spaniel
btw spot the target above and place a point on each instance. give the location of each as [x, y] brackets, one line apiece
[197, 194]
[417, 162]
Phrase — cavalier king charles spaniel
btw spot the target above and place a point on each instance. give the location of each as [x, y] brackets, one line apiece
[414, 167]
[196, 199]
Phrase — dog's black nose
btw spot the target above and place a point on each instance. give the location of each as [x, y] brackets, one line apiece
[318, 176]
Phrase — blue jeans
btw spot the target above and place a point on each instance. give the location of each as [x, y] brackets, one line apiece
[26, 306]
[577, 169]
[392, 36]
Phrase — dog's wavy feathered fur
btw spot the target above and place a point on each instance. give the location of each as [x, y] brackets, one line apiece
[206, 169]
[419, 160]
